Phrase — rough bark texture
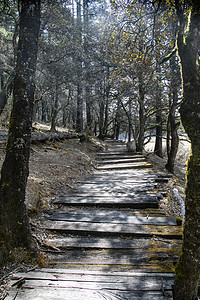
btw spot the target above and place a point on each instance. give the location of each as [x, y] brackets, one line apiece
[55, 111]
[140, 140]
[158, 143]
[172, 124]
[188, 268]
[14, 225]
[79, 114]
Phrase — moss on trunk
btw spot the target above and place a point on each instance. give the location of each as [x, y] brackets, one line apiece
[188, 268]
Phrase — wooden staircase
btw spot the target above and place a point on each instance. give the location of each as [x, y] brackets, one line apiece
[109, 237]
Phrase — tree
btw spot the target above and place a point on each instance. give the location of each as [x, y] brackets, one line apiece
[14, 225]
[188, 43]
[172, 123]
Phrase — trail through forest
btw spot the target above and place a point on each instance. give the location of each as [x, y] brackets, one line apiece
[108, 238]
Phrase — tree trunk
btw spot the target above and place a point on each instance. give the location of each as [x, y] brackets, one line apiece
[158, 143]
[188, 268]
[107, 93]
[87, 66]
[14, 224]
[140, 140]
[79, 115]
[172, 125]
[101, 116]
[55, 111]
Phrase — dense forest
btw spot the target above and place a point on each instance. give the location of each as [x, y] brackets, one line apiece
[111, 69]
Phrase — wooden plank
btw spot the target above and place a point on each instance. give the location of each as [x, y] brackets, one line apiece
[81, 294]
[128, 175]
[134, 273]
[107, 211]
[119, 157]
[118, 182]
[115, 153]
[161, 259]
[137, 196]
[146, 265]
[102, 229]
[115, 190]
[136, 185]
[114, 243]
[115, 218]
[115, 181]
[121, 161]
[120, 202]
[52, 293]
[125, 166]
[135, 284]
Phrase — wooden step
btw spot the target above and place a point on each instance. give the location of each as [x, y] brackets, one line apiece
[114, 218]
[115, 260]
[120, 161]
[110, 229]
[112, 190]
[106, 156]
[146, 245]
[52, 293]
[104, 285]
[133, 201]
[125, 166]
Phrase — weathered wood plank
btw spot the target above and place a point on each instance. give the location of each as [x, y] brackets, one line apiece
[83, 294]
[115, 260]
[125, 166]
[116, 218]
[83, 228]
[52, 293]
[150, 201]
[134, 273]
[103, 281]
[115, 243]
[133, 284]
[106, 189]
[118, 157]
[122, 161]
[137, 196]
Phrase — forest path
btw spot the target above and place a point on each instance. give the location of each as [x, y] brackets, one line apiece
[109, 239]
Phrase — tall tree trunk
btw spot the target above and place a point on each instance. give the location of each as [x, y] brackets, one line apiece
[140, 140]
[79, 115]
[188, 268]
[87, 65]
[158, 143]
[107, 93]
[54, 111]
[101, 116]
[14, 224]
[172, 125]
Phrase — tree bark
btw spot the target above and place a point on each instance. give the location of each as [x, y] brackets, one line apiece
[140, 140]
[55, 111]
[14, 224]
[172, 125]
[87, 66]
[158, 143]
[188, 268]
[79, 115]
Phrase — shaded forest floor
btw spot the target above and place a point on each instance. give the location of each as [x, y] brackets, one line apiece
[56, 167]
